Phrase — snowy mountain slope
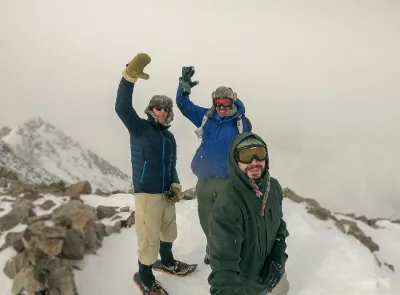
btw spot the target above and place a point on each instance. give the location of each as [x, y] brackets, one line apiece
[43, 145]
[26, 172]
[322, 259]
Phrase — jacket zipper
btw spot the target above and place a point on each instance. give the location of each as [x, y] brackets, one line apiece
[163, 164]
[143, 171]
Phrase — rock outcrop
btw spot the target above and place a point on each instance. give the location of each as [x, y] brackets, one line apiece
[346, 226]
[46, 254]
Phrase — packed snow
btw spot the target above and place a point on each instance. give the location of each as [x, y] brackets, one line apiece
[322, 260]
[42, 145]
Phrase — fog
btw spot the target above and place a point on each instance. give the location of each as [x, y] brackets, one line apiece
[320, 81]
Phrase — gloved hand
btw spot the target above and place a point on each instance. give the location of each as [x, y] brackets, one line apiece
[274, 267]
[134, 69]
[176, 190]
[185, 81]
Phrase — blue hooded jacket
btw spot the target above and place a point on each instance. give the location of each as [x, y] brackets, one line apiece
[211, 157]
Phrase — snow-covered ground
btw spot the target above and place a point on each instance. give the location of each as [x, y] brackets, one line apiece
[322, 260]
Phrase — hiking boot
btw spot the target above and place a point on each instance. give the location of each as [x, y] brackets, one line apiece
[153, 289]
[176, 267]
[207, 259]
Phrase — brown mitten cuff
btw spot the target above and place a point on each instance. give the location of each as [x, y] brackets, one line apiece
[127, 77]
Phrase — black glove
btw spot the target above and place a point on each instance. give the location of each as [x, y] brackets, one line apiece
[274, 267]
[185, 81]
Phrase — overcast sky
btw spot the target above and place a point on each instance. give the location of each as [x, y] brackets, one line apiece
[304, 69]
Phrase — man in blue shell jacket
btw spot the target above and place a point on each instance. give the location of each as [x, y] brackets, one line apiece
[155, 179]
[216, 126]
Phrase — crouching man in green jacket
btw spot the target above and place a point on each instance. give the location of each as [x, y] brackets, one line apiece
[247, 230]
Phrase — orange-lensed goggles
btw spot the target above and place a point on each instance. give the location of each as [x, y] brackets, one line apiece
[246, 155]
[225, 102]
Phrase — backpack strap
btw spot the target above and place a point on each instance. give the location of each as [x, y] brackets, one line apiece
[239, 124]
[199, 131]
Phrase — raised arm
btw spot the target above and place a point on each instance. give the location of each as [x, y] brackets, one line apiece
[125, 110]
[123, 105]
[191, 111]
[226, 237]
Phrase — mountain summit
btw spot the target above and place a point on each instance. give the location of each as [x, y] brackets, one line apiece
[42, 146]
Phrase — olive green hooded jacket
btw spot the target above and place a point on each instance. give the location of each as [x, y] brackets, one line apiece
[241, 238]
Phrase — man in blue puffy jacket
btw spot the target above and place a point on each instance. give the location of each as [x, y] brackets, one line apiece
[154, 176]
[216, 126]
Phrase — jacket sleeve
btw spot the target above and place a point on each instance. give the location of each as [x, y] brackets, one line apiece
[226, 238]
[191, 111]
[175, 178]
[125, 110]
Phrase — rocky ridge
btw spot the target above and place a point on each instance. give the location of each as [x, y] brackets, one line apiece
[345, 225]
[50, 245]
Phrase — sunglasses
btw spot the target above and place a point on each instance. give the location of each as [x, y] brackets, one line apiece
[160, 107]
[246, 155]
[223, 102]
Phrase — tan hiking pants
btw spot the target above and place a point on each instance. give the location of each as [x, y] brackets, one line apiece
[155, 221]
[282, 288]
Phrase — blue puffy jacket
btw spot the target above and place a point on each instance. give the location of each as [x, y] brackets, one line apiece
[153, 146]
[211, 157]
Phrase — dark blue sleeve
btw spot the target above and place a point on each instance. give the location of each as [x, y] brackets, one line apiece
[125, 110]
[191, 111]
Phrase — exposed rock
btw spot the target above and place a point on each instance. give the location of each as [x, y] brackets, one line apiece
[6, 173]
[43, 217]
[117, 227]
[14, 265]
[355, 231]
[314, 208]
[190, 194]
[53, 276]
[47, 205]
[44, 252]
[66, 214]
[79, 188]
[124, 209]
[99, 192]
[15, 240]
[116, 217]
[129, 221]
[390, 266]
[74, 245]
[19, 211]
[33, 230]
[3, 183]
[31, 195]
[106, 211]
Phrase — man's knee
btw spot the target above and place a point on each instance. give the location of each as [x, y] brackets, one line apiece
[148, 250]
[169, 231]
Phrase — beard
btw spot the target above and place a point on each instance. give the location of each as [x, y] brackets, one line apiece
[254, 172]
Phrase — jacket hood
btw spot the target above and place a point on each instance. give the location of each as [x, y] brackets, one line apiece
[236, 174]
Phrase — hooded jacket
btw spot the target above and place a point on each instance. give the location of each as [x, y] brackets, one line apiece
[210, 159]
[153, 146]
[241, 238]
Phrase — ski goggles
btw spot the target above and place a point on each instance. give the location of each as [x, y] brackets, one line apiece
[160, 107]
[248, 154]
[223, 102]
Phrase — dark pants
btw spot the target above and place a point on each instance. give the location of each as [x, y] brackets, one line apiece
[207, 192]
[145, 271]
